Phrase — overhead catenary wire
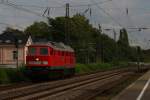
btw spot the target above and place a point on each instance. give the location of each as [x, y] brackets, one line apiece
[91, 4]
[21, 8]
[127, 12]
[62, 6]
[112, 18]
[36, 6]
[48, 8]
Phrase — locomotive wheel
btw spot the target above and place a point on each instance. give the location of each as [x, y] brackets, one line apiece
[70, 72]
[56, 74]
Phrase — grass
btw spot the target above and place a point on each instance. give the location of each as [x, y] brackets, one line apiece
[3, 76]
[12, 75]
[83, 68]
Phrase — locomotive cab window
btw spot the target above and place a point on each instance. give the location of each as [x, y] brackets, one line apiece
[43, 51]
[32, 51]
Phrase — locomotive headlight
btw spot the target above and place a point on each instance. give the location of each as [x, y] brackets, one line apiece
[45, 62]
[37, 59]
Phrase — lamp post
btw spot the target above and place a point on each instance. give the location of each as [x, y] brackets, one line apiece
[138, 57]
[16, 46]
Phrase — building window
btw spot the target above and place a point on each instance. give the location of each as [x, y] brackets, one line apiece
[20, 41]
[15, 53]
[8, 41]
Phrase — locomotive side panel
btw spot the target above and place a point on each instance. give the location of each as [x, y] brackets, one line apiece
[51, 60]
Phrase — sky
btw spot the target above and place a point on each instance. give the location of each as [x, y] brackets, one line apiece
[108, 13]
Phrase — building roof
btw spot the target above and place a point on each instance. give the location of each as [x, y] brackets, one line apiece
[10, 38]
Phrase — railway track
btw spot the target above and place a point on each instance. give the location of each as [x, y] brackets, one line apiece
[14, 85]
[82, 87]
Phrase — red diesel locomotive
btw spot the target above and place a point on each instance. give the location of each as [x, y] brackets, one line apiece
[51, 59]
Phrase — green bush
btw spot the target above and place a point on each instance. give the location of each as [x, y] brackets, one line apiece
[3, 77]
[12, 75]
[83, 68]
[119, 64]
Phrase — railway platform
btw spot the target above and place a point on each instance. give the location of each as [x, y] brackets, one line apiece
[139, 90]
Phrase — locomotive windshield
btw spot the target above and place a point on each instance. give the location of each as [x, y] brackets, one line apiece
[32, 51]
[43, 51]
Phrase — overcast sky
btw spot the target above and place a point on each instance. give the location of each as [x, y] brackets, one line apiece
[112, 15]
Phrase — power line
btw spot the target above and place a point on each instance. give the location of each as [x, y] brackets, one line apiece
[48, 8]
[36, 6]
[21, 8]
[92, 4]
[139, 28]
[97, 5]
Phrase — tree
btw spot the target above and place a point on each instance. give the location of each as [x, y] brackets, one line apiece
[88, 42]
[81, 35]
[11, 30]
[40, 29]
[123, 38]
[57, 26]
[125, 51]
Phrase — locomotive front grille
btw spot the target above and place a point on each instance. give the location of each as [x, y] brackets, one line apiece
[38, 62]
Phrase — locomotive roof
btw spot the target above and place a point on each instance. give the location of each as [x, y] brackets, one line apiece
[54, 45]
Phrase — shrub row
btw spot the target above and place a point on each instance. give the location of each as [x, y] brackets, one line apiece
[84, 68]
[12, 75]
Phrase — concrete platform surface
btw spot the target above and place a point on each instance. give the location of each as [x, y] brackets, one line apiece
[139, 90]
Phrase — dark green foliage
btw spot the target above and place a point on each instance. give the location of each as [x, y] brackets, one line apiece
[10, 75]
[123, 39]
[11, 30]
[125, 51]
[57, 28]
[89, 43]
[85, 68]
[146, 55]
[39, 29]
[109, 49]
[3, 77]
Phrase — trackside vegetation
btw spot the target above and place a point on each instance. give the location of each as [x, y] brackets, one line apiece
[85, 68]
[91, 44]
[94, 49]
[13, 75]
